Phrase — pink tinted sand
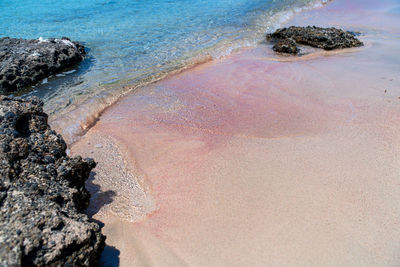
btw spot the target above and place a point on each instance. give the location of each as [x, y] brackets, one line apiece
[259, 159]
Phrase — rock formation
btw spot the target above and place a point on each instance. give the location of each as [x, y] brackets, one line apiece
[286, 46]
[24, 63]
[42, 193]
[326, 38]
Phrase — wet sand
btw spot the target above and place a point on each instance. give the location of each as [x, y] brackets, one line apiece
[260, 159]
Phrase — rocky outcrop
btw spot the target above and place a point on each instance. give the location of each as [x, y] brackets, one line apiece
[325, 38]
[286, 46]
[24, 63]
[42, 193]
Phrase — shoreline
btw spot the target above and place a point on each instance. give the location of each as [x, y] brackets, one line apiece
[246, 160]
[73, 125]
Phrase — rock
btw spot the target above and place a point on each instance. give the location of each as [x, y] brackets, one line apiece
[286, 46]
[25, 63]
[325, 38]
[42, 193]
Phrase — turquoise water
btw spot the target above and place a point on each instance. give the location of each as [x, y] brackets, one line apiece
[131, 41]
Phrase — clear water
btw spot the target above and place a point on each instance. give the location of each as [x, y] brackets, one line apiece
[131, 41]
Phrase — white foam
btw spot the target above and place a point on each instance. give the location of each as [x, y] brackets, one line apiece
[41, 40]
[69, 72]
[271, 23]
[268, 22]
[45, 80]
[67, 42]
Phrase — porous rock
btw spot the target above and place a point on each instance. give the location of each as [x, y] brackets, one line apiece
[325, 38]
[286, 46]
[42, 193]
[24, 63]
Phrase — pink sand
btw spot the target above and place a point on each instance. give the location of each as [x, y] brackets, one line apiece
[259, 159]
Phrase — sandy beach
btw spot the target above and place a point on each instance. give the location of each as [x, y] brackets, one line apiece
[259, 159]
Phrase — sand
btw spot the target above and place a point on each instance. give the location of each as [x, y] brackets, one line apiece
[259, 159]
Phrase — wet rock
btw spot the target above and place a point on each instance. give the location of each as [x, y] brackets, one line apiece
[42, 193]
[325, 38]
[24, 63]
[286, 46]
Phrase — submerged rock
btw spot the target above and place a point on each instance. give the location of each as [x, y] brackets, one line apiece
[26, 62]
[325, 38]
[42, 193]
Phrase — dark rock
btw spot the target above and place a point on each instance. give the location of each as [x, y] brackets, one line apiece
[26, 62]
[286, 46]
[42, 193]
[325, 38]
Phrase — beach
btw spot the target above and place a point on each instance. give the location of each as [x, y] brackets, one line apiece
[259, 159]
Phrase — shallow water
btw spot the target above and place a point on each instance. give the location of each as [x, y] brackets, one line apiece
[130, 42]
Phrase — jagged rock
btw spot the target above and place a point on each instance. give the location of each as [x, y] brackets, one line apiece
[325, 38]
[24, 63]
[42, 193]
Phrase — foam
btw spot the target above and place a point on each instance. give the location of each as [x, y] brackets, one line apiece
[41, 40]
[69, 72]
[67, 42]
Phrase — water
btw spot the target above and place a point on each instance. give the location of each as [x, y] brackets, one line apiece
[131, 41]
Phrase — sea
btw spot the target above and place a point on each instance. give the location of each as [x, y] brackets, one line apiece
[131, 43]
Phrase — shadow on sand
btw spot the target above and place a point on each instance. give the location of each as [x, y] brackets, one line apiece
[99, 199]
[109, 257]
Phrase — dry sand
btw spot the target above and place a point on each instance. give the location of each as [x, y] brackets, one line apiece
[259, 159]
